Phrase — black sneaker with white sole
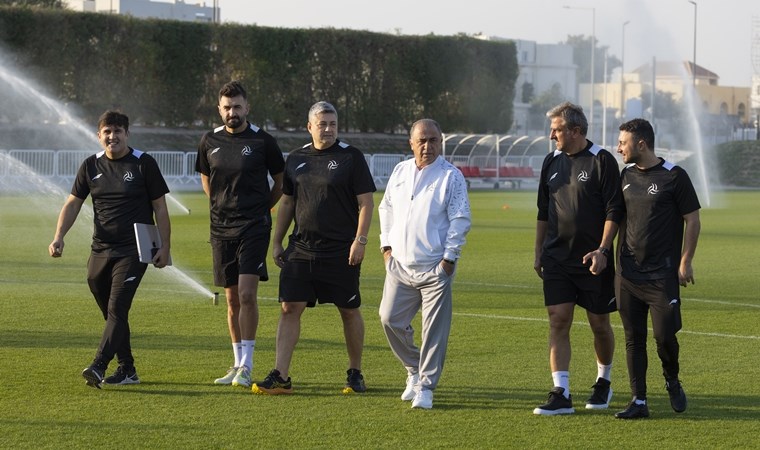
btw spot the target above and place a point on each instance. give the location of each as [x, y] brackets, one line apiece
[93, 375]
[556, 404]
[601, 394]
[123, 375]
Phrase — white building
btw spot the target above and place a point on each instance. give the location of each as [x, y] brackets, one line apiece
[169, 10]
[542, 66]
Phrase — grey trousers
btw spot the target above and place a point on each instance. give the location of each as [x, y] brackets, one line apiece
[405, 292]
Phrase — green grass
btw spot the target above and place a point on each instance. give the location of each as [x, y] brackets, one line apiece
[496, 370]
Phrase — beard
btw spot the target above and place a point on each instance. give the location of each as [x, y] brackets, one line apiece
[233, 122]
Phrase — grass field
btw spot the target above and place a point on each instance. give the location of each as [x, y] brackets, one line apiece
[496, 370]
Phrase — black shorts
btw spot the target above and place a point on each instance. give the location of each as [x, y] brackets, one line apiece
[245, 256]
[323, 280]
[594, 293]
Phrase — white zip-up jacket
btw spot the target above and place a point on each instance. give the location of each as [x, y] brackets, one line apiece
[425, 214]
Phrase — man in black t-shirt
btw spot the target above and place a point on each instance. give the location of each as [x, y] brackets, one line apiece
[126, 187]
[234, 161]
[327, 192]
[656, 252]
[579, 208]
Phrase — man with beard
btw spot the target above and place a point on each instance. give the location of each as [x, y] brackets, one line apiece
[234, 161]
[658, 239]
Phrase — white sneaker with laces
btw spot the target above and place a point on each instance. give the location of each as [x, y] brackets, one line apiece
[423, 399]
[228, 377]
[242, 377]
[411, 381]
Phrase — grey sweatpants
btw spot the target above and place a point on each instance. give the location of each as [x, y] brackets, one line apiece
[405, 292]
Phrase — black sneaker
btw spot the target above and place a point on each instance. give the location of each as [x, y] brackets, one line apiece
[601, 394]
[123, 376]
[633, 411]
[93, 375]
[557, 404]
[676, 394]
[354, 382]
[273, 385]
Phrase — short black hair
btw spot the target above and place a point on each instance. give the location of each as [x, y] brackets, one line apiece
[232, 89]
[113, 118]
[641, 129]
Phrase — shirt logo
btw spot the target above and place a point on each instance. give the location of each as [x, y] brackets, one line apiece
[128, 176]
[214, 151]
[653, 190]
[246, 151]
[332, 165]
[553, 176]
[97, 176]
[583, 176]
[301, 165]
[130, 279]
[626, 186]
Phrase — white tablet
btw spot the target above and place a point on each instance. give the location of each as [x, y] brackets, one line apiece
[148, 242]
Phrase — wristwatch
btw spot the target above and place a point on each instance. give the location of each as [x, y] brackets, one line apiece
[604, 251]
[384, 249]
[361, 239]
[450, 261]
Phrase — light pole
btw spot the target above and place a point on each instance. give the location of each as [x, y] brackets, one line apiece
[622, 75]
[593, 46]
[694, 59]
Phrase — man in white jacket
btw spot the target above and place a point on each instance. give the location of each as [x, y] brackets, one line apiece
[424, 218]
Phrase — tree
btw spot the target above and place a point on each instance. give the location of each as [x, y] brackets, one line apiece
[543, 103]
[582, 58]
[56, 4]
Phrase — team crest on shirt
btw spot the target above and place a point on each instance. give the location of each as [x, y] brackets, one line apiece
[128, 176]
[653, 190]
[332, 165]
[246, 151]
[583, 176]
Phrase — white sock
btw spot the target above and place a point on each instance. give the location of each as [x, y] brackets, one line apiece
[246, 358]
[603, 371]
[562, 379]
[639, 402]
[237, 351]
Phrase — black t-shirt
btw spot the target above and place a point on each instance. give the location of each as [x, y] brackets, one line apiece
[656, 199]
[122, 191]
[576, 195]
[324, 185]
[237, 166]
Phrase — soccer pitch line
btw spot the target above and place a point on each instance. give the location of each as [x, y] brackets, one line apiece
[620, 327]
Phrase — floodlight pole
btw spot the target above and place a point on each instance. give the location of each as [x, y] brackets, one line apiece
[622, 75]
[593, 47]
[694, 59]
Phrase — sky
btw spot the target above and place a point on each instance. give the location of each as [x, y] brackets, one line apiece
[661, 29]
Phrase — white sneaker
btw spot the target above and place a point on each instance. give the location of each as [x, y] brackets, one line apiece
[423, 399]
[411, 381]
[228, 377]
[242, 378]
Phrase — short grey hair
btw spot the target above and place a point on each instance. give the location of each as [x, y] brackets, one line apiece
[426, 122]
[572, 114]
[321, 108]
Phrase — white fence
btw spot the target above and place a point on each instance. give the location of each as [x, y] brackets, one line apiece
[178, 168]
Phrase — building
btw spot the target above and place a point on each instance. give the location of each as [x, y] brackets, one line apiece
[144, 9]
[724, 107]
[543, 68]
